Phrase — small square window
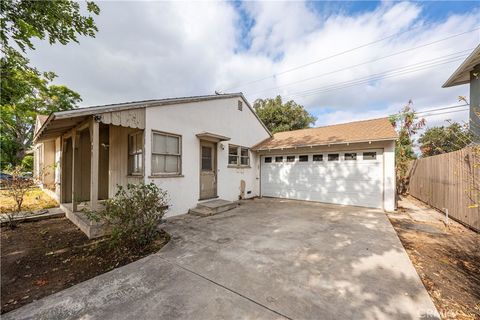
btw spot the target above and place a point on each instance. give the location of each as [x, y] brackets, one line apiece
[318, 157]
[303, 158]
[333, 157]
[278, 159]
[290, 158]
[268, 159]
[350, 156]
[240, 105]
[369, 155]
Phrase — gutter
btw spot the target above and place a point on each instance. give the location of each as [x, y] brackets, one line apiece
[325, 144]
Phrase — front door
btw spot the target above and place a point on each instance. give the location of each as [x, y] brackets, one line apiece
[208, 170]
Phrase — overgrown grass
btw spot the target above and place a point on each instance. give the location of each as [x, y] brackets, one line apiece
[35, 199]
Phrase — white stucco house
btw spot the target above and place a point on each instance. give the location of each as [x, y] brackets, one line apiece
[210, 147]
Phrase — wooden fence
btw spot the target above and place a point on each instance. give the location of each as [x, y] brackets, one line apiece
[450, 181]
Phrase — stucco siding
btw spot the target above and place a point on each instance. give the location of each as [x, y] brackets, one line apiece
[220, 117]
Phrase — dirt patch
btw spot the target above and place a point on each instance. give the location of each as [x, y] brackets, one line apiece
[448, 262]
[43, 257]
[35, 199]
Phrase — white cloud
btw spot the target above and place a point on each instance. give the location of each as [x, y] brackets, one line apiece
[148, 50]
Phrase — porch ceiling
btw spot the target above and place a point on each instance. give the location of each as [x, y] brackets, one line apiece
[54, 127]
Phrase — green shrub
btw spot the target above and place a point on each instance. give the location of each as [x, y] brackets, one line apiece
[27, 163]
[132, 215]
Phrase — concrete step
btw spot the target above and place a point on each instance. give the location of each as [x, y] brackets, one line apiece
[212, 207]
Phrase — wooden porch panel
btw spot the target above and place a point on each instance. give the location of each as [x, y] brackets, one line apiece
[118, 159]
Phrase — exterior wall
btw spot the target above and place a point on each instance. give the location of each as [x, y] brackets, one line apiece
[216, 116]
[474, 121]
[389, 191]
[118, 159]
[46, 168]
[58, 169]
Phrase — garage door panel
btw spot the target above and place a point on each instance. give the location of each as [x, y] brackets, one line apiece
[287, 171]
[328, 186]
[344, 198]
[354, 182]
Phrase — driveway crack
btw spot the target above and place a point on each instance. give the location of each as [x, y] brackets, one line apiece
[226, 288]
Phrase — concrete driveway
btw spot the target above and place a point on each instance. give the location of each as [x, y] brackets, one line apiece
[266, 259]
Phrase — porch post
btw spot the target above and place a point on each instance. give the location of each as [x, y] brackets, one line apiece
[74, 144]
[95, 141]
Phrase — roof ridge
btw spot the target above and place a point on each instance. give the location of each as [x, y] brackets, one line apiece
[337, 124]
[162, 99]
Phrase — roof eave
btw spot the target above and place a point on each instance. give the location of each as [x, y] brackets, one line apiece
[470, 62]
[326, 144]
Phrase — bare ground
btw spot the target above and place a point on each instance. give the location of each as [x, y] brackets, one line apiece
[43, 257]
[447, 258]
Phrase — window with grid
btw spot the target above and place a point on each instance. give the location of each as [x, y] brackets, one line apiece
[350, 156]
[369, 155]
[238, 156]
[135, 153]
[166, 153]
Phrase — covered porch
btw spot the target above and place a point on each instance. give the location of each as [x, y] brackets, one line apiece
[94, 159]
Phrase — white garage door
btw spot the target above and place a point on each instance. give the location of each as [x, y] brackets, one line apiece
[350, 177]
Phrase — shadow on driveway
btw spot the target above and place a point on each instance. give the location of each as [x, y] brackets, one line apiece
[268, 259]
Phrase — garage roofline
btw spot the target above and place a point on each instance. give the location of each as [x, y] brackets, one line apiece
[326, 144]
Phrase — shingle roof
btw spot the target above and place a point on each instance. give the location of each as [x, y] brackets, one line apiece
[358, 131]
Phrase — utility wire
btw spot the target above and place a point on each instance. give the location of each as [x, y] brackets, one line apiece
[440, 113]
[443, 108]
[375, 77]
[344, 69]
[350, 50]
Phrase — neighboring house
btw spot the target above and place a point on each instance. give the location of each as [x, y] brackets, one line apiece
[208, 147]
[46, 156]
[469, 72]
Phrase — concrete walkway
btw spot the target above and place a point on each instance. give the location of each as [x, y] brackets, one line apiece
[267, 259]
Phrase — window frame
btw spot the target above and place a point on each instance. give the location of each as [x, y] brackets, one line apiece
[238, 156]
[179, 155]
[370, 152]
[333, 154]
[130, 154]
[265, 159]
[355, 158]
[278, 157]
[317, 155]
[290, 156]
[300, 157]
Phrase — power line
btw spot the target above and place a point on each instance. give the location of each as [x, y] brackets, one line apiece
[347, 68]
[364, 80]
[446, 112]
[350, 50]
[443, 108]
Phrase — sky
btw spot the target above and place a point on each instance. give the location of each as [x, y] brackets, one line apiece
[343, 61]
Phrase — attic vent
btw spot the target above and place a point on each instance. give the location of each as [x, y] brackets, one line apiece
[240, 105]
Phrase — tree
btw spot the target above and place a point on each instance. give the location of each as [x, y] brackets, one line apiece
[407, 124]
[438, 140]
[25, 90]
[279, 116]
[25, 93]
[59, 21]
